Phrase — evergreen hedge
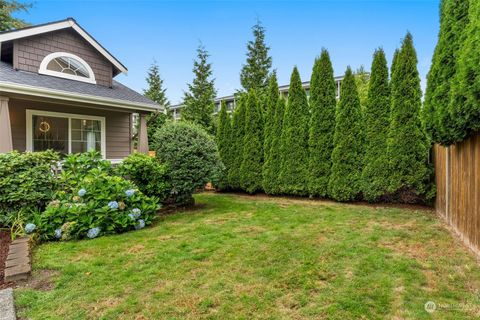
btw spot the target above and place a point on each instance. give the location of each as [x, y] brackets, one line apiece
[345, 178]
[237, 134]
[273, 161]
[294, 169]
[322, 125]
[436, 113]
[252, 163]
[376, 124]
[408, 147]
[223, 143]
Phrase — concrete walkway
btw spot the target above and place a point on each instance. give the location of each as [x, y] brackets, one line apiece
[7, 308]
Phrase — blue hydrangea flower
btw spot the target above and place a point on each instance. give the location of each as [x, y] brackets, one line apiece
[140, 224]
[132, 216]
[93, 232]
[113, 205]
[58, 233]
[30, 227]
[82, 192]
[130, 192]
[136, 212]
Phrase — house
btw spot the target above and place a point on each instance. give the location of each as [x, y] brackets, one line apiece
[231, 103]
[57, 91]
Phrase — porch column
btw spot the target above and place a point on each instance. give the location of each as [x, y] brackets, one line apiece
[5, 128]
[143, 135]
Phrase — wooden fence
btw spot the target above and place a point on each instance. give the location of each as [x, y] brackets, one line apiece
[457, 175]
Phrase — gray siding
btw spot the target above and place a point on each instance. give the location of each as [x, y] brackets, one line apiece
[118, 125]
[29, 53]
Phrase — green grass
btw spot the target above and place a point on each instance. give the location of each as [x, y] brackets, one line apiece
[258, 258]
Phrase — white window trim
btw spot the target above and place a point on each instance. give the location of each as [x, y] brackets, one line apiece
[30, 113]
[43, 68]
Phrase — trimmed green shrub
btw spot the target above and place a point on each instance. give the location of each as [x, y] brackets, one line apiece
[252, 163]
[407, 146]
[148, 174]
[376, 123]
[465, 103]
[237, 134]
[223, 143]
[191, 156]
[271, 103]
[436, 113]
[345, 179]
[273, 162]
[322, 125]
[101, 204]
[294, 170]
[76, 166]
[27, 182]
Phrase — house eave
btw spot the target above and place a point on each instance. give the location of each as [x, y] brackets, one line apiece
[13, 88]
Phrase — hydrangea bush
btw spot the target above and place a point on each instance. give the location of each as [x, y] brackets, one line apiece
[100, 204]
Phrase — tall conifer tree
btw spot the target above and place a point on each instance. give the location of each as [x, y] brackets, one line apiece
[376, 125]
[465, 103]
[199, 100]
[252, 162]
[273, 160]
[322, 125]
[255, 72]
[435, 112]
[407, 147]
[294, 171]
[223, 143]
[345, 179]
[237, 135]
[271, 102]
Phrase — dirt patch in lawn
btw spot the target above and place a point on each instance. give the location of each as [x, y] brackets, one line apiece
[4, 245]
[42, 280]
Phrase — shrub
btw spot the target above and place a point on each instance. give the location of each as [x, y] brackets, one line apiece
[76, 166]
[224, 141]
[147, 173]
[237, 134]
[191, 156]
[27, 182]
[100, 204]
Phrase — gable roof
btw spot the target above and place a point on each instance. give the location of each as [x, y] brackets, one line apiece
[34, 84]
[59, 25]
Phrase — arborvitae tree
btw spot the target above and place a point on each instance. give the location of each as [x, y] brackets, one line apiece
[376, 117]
[435, 112]
[407, 146]
[394, 63]
[237, 135]
[294, 170]
[362, 81]
[199, 100]
[345, 179]
[255, 72]
[223, 143]
[252, 163]
[465, 103]
[273, 160]
[7, 9]
[271, 103]
[322, 125]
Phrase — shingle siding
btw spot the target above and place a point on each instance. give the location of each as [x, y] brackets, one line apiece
[118, 125]
[29, 53]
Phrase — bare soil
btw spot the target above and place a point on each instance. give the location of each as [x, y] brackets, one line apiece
[4, 244]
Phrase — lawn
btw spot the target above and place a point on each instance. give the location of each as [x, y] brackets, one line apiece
[260, 258]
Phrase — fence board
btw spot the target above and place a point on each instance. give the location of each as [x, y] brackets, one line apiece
[457, 176]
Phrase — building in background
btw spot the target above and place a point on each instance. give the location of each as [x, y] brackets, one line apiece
[231, 103]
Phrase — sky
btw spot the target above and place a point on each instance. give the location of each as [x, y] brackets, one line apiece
[168, 32]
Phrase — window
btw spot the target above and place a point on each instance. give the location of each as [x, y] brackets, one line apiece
[67, 65]
[65, 133]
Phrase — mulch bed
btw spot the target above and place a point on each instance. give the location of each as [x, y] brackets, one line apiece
[4, 244]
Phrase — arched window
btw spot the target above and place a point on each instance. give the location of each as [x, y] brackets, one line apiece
[67, 65]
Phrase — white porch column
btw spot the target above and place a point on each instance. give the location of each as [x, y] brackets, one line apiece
[143, 135]
[5, 128]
